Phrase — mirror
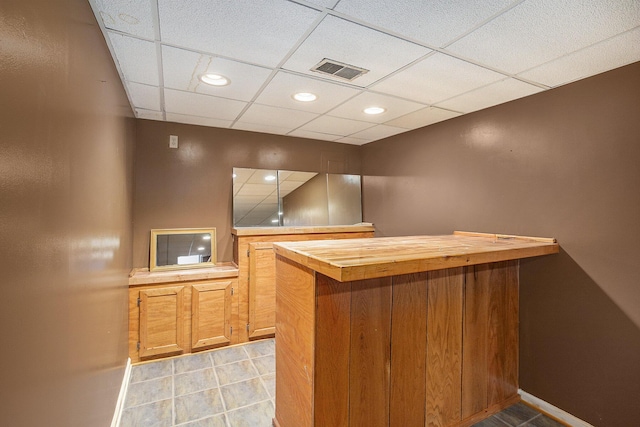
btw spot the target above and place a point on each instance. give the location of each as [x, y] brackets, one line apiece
[294, 198]
[180, 248]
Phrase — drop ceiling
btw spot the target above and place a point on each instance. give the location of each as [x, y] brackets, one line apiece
[426, 61]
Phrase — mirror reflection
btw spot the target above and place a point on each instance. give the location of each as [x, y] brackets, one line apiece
[182, 248]
[294, 198]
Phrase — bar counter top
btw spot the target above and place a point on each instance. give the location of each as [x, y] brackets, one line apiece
[360, 259]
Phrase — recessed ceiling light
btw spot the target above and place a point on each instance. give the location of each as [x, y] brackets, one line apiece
[374, 110]
[269, 178]
[274, 221]
[201, 248]
[234, 175]
[206, 237]
[214, 79]
[305, 97]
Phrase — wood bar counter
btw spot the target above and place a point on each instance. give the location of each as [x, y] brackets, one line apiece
[398, 331]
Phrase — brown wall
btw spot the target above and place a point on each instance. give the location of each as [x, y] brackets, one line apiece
[307, 204]
[66, 163]
[563, 163]
[191, 186]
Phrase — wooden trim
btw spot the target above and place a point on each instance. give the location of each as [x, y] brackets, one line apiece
[124, 387]
[505, 236]
[141, 277]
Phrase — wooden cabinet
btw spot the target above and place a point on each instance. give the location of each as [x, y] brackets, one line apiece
[253, 253]
[414, 331]
[161, 320]
[175, 313]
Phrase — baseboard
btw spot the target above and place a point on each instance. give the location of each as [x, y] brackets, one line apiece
[551, 410]
[115, 422]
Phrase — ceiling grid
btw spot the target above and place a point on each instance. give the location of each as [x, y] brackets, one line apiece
[426, 62]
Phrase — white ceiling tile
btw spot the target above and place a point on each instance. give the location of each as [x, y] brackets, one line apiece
[353, 109]
[493, 94]
[355, 45]
[324, 3]
[262, 32]
[437, 78]
[264, 177]
[424, 117]
[256, 190]
[195, 120]
[314, 135]
[144, 96]
[176, 101]
[275, 116]
[137, 58]
[537, 31]
[612, 53]
[255, 127]
[280, 90]
[378, 132]
[132, 17]
[353, 141]
[182, 70]
[336, 125]
[435, 22]
[148, 114]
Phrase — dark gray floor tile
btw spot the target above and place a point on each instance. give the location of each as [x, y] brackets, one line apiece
[197, 405]
[151, 370]
[258, 415]
[216, 421]
[157, 414]
[270, 383]
[261, 348]
[491, 422]
[192, 362]
[193, 381]
[243, 393]
[228, 355]
[235, 372]
[517, 414]
[148, 391]
[265, 364]
[543, 421]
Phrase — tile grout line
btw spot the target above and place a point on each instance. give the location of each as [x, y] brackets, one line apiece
[215, 374]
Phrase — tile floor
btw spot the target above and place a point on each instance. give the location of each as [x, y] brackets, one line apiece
[227, 387]
[235, 387]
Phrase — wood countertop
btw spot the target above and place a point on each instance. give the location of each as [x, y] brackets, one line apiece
[359, 259]
[264, 231]
[143, 276]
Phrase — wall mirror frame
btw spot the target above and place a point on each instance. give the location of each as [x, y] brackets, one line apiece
[182, 248]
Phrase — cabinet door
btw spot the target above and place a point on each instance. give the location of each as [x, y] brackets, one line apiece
[161, 321]
[262, 290]
[211, 314]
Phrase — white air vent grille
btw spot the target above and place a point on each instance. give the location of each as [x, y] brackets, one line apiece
[338, 69]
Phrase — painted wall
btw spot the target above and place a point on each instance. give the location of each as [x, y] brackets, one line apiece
[192, 186]
[566, 164]
[66, 175]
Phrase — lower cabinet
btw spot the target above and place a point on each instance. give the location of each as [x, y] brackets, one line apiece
[176, 318]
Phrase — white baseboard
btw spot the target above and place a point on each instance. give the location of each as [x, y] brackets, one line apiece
[115, 422]
[554, 411]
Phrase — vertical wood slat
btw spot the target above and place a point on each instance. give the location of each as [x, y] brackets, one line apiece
[475, 339]
[408, 351]
[370, 352]
[333, 335]
[503, 334]
[295, 325]
[444, 346]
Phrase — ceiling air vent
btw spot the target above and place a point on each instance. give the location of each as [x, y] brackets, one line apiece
[338, 69]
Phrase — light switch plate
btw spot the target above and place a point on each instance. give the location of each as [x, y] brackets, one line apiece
[173, 141]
